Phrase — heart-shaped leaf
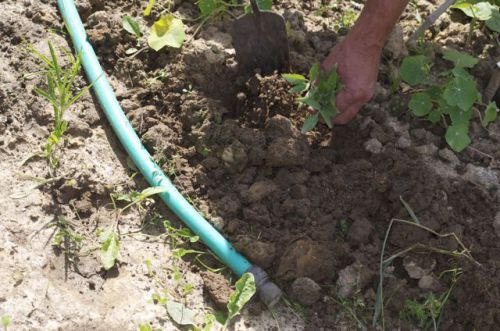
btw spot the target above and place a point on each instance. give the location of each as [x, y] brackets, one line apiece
[180, 314]
[462, 60]
[461, 92]
[420, 104]
[414, 69]
[167, 31]
[457, 136]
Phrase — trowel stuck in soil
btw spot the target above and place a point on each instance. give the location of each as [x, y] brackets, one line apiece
[260, 41]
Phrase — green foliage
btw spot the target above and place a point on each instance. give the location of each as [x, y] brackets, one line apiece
[318, 91]
[481, 11]
[149, 7]
[415, 69]
[66, 238]
[110, 248]
[423, 314]
[450, 99]
[131, 26]
[59, 92]
[180, 314]
[244, 291]
[5, 321]
[167, 31]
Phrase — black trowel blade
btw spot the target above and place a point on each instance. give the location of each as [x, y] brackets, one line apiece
[261, 42]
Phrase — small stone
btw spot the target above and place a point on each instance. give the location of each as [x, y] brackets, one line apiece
[280, 126]
[306, 291]
[352, 278]
[413, 270]
[429, 283]
[447, 155]
[373, 146]
[235, 156]
[429, 149]
[261, 189]
[403, 142]
[481, 176]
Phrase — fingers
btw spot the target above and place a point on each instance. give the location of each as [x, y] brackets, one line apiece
[349, 103]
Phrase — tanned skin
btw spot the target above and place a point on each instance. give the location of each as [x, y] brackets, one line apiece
[358, 55]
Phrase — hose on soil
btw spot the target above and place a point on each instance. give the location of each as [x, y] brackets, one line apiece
[268, 292]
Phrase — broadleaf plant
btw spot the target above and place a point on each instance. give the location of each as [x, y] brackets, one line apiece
[483, 11]
[244, 290]
[167, 31]
[318, 91]
[449, 100]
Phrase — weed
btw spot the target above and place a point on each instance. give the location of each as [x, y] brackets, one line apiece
[352, 308]
[481, 11]
[66, 238]
[460, 252]
[318, 92]
[344, 226]
[59, 92]
[130, 25]
[244, 291]
[5, 321]
[450, 100]
[110, 239]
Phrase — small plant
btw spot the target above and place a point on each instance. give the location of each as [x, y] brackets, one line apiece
[244, 291]
[482, 11]
[66, 238]
[5, 321]
[450, 100]
[318, 92]
[59, 92]
[130, 25]
[110, 239]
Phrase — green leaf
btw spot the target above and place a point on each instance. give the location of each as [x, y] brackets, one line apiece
[490, 114]
[481, 11]
[313, 72]
[5, 321]
[147, 10]
[457, 136]
[294, 79]
[494, 22]
[461, 92]
[131, 26]
[309, 123]
[434, 116]
[420, 104]
[167, 31]
[208, 7]
[150, 191]
[263, 5]
[299, 88]
[180, 314]
[460, 117]
[244, 291]
[414, 69]
[328, 112]
[311, 102]
[145, 327]
[462, 60]
[110, 248]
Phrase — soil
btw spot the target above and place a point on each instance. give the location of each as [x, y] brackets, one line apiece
[311, 209]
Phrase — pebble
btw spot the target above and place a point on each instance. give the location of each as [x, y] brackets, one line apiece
[403, 142]
[373, 146]
[447, 155]
[429, 283]
[428, 149]
[261, 189]
[351, 278]
[306, 291]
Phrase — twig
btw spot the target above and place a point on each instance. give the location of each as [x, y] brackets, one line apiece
[429, 20]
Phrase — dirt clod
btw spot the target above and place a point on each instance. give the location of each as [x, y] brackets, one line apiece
[306, 291]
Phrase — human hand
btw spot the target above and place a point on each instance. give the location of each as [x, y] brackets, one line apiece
[357, 65]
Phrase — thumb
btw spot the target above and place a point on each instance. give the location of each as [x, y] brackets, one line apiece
[347, 107]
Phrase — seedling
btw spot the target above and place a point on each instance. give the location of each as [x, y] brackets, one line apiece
[450, 100]
[110, 239]
[130, 25]
[317, 92]
[244, 290]
[482, 11]
[460, 253]
[59, 92]
[5, 321]
[66, 238]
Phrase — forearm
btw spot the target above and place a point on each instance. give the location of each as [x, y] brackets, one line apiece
[377, 20]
